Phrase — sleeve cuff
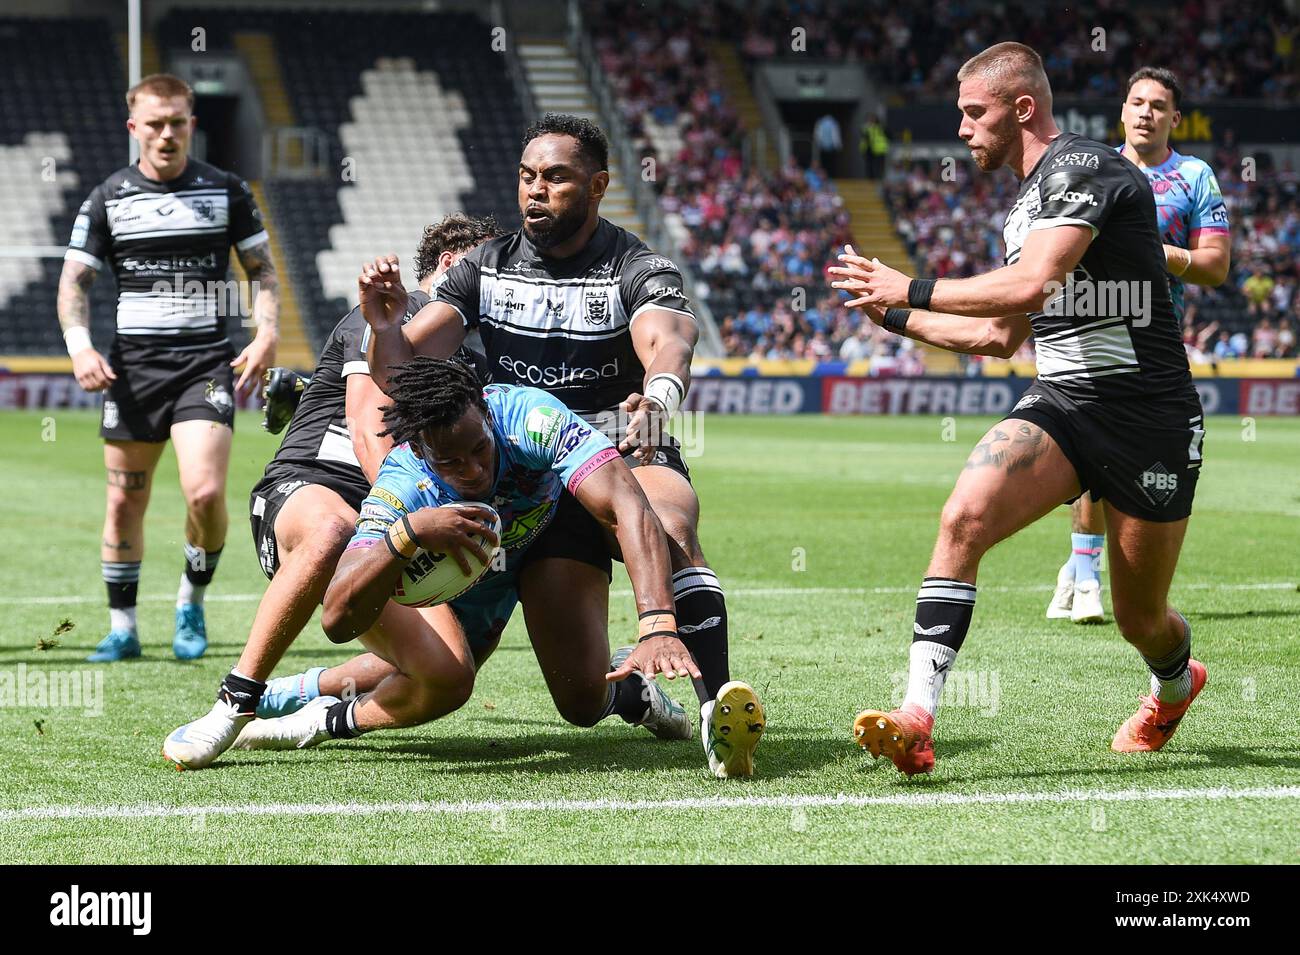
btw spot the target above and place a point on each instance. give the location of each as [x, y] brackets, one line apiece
[355, 368]
[85, 258]
[257, 238]
[661, 308]
[1052, 223]
[584, 472]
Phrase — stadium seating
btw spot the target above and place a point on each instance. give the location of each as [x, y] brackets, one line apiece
[393, 93]
[68, 122]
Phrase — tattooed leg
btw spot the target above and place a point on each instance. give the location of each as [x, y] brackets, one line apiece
[1015, 475]
[129, 466]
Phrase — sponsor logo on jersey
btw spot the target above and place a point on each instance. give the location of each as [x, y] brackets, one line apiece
[551, 376]
[1158, 484]
[508, 303]
[1081, 197]
[657, 263]
[374, 512]
[1082, 160]
[390, 499]
[597, 303]
[574, 434]
[554, 309]
[524, 528]
[177, 263]
[543, 427]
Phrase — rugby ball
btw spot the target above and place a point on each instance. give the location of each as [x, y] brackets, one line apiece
[429, 578]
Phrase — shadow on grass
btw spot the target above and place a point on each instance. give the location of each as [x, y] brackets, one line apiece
[566, 751]
[1194, 615]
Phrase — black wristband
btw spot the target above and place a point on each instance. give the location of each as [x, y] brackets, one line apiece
[896, 320]
[919, 292]
[410, 531]
[658, 633]
[651, 613]
[392, 549]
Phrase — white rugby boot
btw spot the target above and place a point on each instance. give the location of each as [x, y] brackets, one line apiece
[666, 718]
[195, 745]
[1059, 608]
[296, 731]
[731, 725]
[1087, 606]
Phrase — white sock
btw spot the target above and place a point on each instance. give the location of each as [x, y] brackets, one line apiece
[189, 592]
[930, 665]
[121, 618]
[1172, 691]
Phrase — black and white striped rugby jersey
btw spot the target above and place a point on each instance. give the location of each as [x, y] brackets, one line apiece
[1112, 332]
[563, 325]
[168, 245]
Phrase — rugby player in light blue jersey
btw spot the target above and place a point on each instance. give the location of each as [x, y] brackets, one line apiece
[1193, 223]
[516, 449]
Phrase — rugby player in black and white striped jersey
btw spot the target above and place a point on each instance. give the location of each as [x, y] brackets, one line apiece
[1113, 412]
[164, 227]
[579, 307]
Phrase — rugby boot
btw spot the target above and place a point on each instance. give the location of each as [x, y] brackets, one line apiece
[902, 734]
[1154, 723]
[731, 724]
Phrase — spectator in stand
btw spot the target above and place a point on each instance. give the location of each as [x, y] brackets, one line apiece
[1257, 289]
[828, 143]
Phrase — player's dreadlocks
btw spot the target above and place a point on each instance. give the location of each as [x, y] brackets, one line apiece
[430, 393]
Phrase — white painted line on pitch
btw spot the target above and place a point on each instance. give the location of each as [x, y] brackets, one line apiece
[841, 800]
[731, 592]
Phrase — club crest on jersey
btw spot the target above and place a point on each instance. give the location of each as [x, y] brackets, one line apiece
[217, 396]
[597, 302]
[204, 210]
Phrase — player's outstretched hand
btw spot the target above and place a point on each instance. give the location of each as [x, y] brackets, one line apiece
[666, 655]
[454, 530]
[647, 423]
[873, 282]
[257, 356]
[383, 297]
[92, 371]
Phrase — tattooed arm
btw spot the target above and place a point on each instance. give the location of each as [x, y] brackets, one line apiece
[259, 355]
[93, 372]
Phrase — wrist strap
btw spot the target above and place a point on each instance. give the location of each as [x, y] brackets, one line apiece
[77, 339]
[401, 540]
[919, 292]
[656, 623]
[668, 390]
[657, 633]
[410, 531]
[896, 320]
[392, 548]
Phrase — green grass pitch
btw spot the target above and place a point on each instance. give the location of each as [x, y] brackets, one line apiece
[820, 529]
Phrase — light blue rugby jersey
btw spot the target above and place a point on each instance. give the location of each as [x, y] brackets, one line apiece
[542, 448]
[1188, 202]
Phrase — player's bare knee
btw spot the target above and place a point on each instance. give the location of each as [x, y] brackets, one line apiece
[442, 689]
[584, 711]
[1139, 624]
[126, 506]
[205, 499]
[681, 531]
[964, 527]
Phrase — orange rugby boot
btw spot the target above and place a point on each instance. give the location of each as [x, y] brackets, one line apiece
[1154, 723]
[903, 735]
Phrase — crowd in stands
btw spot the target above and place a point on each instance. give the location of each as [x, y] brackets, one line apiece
[1249, 48]
[760, 242]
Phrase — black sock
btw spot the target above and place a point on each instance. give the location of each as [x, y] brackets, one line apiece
[943, 611]
[629, 698]
[200, 564]
[122, 578]
[340, 722]
[702, 626]
[241, 691]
